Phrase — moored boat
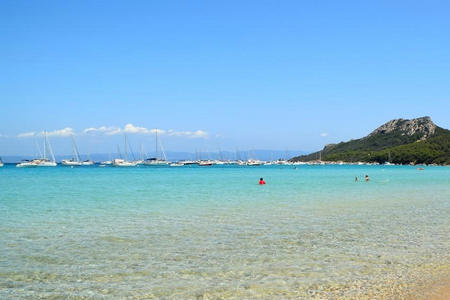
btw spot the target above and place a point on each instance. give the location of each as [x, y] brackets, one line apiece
[205, 163]
[157, 160]
[43, 161]
[119, 162]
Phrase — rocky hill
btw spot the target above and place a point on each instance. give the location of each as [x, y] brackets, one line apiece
[397, 141]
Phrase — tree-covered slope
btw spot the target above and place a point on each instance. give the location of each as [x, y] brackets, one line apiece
[398, 141]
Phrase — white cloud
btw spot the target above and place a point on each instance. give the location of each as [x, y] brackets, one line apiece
[26, 134]
[190, 134]
[61, 132]
[128, 128]
[111, 130]
[58, 133]
[324, 134]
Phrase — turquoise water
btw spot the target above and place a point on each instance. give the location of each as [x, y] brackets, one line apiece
[211, 232]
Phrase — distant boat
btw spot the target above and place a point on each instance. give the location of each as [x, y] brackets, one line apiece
[189, 162]
[156, 161]
[43, 161]
[177, 164]
[46, 162]
[106, 163]
[87, 163]
[27, 164]
[389, 162]
[119, 162]
[75, 160]
[205, 163]
[253, 162]
[1, 162]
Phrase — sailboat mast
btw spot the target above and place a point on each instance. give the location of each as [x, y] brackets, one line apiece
[38, 148]
[51, 150]
[163, 152]
[45, 144]
[118, 151]
[75, 151]
[126, 149]
[156, 143]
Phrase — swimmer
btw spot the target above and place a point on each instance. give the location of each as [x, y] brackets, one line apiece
[367, 178]
[356, 179]
[261, 181]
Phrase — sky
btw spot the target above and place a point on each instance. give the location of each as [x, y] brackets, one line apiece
[232, 74]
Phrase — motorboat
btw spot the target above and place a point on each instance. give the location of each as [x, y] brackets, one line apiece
[106, 163]
[27, 163]
[45, 162]
[190, 162]
[70, 162]
[253, 162]
[155, 162]
[205, 163]
[119, 162]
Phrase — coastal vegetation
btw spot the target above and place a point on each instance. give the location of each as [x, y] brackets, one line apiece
[417, 141]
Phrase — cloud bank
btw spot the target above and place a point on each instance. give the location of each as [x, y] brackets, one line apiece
[58, 133]
[113, 130]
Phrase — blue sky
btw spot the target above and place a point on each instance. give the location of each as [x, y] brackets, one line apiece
[250, 74]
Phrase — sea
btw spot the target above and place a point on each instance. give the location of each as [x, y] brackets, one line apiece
[214, 233]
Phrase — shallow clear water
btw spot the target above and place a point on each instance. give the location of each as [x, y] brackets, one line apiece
[210, 232]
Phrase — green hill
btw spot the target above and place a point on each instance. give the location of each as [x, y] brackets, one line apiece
[398, 141]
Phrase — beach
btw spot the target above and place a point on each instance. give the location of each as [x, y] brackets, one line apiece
[214, 233]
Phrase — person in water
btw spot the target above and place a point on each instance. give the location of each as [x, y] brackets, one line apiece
[367, 177]
[261, 181]
[356, 179]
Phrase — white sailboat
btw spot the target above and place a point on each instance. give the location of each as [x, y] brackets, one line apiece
[1, 162]
[252, 161]
[45, 161]
[26, 163]
[106, 162]
[75, 160]
[120, 162]
[205, 163]
[157, 161]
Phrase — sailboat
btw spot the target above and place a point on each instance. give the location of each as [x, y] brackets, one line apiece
[253, 162]
[1, 162]
[120, 162]
[106, 162]
[75, 160]
[140, 161]
[156, 161]
[389, 163]
[44, 161]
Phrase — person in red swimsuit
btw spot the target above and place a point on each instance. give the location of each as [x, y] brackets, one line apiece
[261, 181]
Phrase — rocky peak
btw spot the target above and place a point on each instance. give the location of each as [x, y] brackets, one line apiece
[423, 126]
